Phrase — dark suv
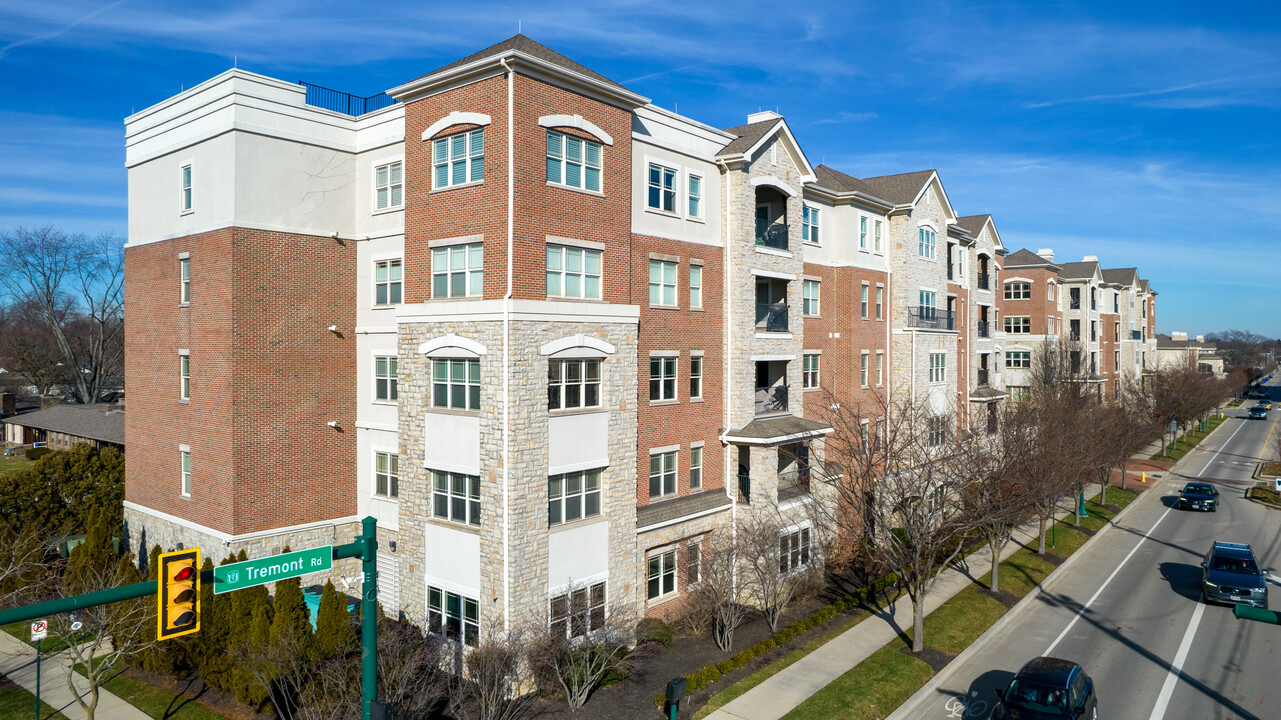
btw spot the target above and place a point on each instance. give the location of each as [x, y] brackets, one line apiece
[1048, 687]
[1231, 575]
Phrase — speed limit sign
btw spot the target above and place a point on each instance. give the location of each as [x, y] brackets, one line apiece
[39, 630]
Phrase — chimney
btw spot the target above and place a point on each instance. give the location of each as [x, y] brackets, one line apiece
[48, 402]
[1090, 258]
[8, 404]
[1179, 335]
[1046, 254]
[762, 116]
[1200, 339]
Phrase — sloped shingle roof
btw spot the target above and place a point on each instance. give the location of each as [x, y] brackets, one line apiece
[669, 510]
[899, 189]
[1120, 276]
[748, 135]
[973, 223]
[1076, 270]
[523, 44]
[104, 423]
[1027, 258]
[837, 180]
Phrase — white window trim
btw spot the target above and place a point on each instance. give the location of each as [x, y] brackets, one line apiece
[676, 284]
[564, 159]
[930, 367]
[675, 452]
[452, 347]
[578, 122]
[582, 272]
[675, 570]
[373, 185]
[455, 118]
[373, 280]
[373, 471]
[702, 198]
[675, 356]
[186, 164]
[814, 214]
[185, 477]
[577, 346]
[373, 374]
[676, 190]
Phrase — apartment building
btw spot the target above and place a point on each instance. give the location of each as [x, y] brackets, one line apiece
[549, 334]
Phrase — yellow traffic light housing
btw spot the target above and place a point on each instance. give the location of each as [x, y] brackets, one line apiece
[178, 594]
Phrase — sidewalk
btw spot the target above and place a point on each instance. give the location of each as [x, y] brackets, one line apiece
[18, 663]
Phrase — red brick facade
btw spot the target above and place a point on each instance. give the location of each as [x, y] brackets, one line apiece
[840, 364]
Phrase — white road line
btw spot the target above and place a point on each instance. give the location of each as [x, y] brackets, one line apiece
[1167, 690]
[1098, 592]
[1225, 444]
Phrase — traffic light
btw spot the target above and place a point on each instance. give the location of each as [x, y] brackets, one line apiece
[178, 594]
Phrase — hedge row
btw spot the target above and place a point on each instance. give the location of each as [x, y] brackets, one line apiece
[700, 679]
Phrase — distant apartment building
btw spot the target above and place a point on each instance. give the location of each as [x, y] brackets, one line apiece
[549, 334]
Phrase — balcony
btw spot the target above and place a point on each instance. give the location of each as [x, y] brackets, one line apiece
[771, 399]
[345, 103]
[771, 317]
[772, 235]
[982, 329]
[985, 281]
[931, 318]
[744, 489]
[1075, 336]
[983, 379]
[1136, 334]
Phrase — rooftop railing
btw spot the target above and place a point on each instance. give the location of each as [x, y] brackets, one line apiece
[345, 103]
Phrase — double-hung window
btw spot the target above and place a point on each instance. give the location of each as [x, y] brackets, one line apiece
[793, 550]
[662, 188]
[662, 474]
[662, 283]
[455, 497]
[453, 616]
[937, 430]
[185, 486]
[662, 378]
[578, 612]
[573, 384]
[386, 474]
[695, 377]
[928, 307]
[880, 303]
[809, 297]
[694, 562]
[863, 301]
[880, 368]
[809, 224]
[1016, 325]
[458, 159]
[573, 496]
[573, 162]
[455, 384]
[696, 286]
[573, 272]
[876, 237]
[385, 379]
[809, 370]
[184, 377]
[863, 362]
[184, 280]
[938, 367]
[926, 241]
[1018, 359]
[862, 233]
[662, 575]
[695, 194]
[458, 271]
[1018, 291]
[389, 186]
[388, 282]
[696, 467]
[184, 185]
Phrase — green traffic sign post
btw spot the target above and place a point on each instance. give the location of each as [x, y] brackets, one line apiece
[261, 571]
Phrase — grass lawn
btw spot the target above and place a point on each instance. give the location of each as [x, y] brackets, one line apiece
[12, 465]
[15, 702]
[22, 631]
[1271, 468]
[872, 690]
[1190, 440]
[156, 702]
[1265, 494]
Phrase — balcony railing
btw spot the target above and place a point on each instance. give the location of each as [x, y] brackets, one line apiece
[772, 399]
[772, 235]
[924, 316]
[1075, 336]
[1136, 334]
[982, 377]
[985, 281]
[744, 488]
[983, 329]
[346, 103]
[771, 317]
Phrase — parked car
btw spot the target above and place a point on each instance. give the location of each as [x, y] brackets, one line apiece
[1048, 687]
[1199, 496]
[1265, 403]
[1258, 412]
[1230, 574]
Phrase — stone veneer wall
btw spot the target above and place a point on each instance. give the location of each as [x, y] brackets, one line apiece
[527, 493]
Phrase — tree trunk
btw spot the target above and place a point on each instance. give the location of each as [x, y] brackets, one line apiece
[996, 565]
[918, 623]
[1040, 549]
[1125, 463]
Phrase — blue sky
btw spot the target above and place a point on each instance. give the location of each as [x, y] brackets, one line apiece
[1144, 133]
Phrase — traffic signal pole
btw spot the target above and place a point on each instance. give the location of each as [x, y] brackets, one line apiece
[75, 602]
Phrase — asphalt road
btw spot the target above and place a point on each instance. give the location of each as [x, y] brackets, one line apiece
[1129, 611]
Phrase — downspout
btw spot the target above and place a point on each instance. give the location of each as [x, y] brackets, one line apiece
[507, 316]
[731, 469]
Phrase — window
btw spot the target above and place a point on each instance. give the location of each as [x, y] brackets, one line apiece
[809, 297]
[1018, 291]
[453, 616]
[1018, 359]
[695, 468]
[455, 384]
[389, 186]
[862, 368]
[184, 280]
[1116, 360]
[793, 550]
[573, 162]
[662, 378]
[863, 302]
[459, 159]
[573, 384]
[662, 283]
[184, 377]
[863, 434]
[876, 238]
[1018, 325]
[862, 233]
[385, 379]
[696, 286]
[184, 184]
[809, 224]
[809, 370]
[573, 272]
[662, 188]
[695, 196]
[1049, 291]
[928, 300]
[695, 377]
[456, 497]
[1018, 393]
[458, 271]
[388, 282]
[662, 474]
[937, 431]
[880, 369]
[662, 575]
[386, 474]
[694, 562]
[573, 496]
[880, 303]
[185, 456]
[578, 612]
[926, 242]
[938, 367]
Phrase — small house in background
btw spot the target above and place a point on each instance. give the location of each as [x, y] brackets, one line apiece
[61, 426]
[13, 405]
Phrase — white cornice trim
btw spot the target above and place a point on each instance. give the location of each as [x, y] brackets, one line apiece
[521, 311]
[577, 342]
[456, 118]
[776, 184]
[576, 121]
[451, 345]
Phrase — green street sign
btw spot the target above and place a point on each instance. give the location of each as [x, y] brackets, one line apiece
[279, 567]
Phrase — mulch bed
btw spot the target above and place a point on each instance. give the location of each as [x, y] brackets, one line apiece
[936, 659]
[1005, 597]
[1051, 558]
[1111, 508]
[194, 689]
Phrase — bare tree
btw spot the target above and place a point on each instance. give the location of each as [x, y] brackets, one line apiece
[995, 492]
[299, 686]
[409, 668]
[583, 640]
[491, 681]
[717, 594]
[24, 576]
[774, 571]
[1239, 348]
[50, 269]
